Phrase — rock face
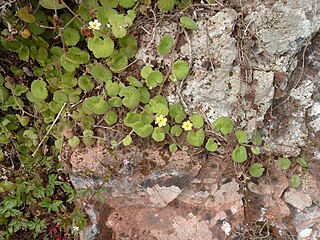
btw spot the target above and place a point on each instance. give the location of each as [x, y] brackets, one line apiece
[256, 62]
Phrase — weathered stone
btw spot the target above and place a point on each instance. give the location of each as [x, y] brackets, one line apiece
[297, 199]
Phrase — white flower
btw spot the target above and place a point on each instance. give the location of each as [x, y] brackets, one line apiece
[94, 24]
[75, 228]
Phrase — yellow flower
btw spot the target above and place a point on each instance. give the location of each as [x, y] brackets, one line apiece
[187, 125]
[161, 121]
[95, 25]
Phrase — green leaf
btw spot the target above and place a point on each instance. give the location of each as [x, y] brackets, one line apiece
[85, 83]
[24, 120]
[144, 95]
[131, 118]
[127, 3]
[142, 130]
[127, 140]
[118, 63]
[41, 55]
[115, 102]
[173, 147]
[24, 54]
[165, 45]
[97, 104]
[4, 94]
[302, 162]
[88, 133]
[145, 71]
[131, 97]
[24, 15]
[74, 142]
[239, 154]
[101, 73]
[256, 138]
[51, 4]
[111, 117]
[197, 120]
[284, 163]
[223, 124]
[119, 31]
[188, 23]
[196, 138]
[134, 82]
[255, 150]
[180, 70]
[39, 89]
[60, 97]
[256, 170]
[70, 36]
[295, 181]
[128, 46]
[158, 134]
[160, 109]
[241, 136]
[112, 88]
[109, 3]
[7, 185]
[177, 112]
[41, 19]
[101, 47]
[211, 145]
[154, 78]
[165, 5]
[176, 130]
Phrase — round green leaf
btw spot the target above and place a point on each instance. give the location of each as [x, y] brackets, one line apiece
[256, 170]
[165, 5]
[111, 117]
[97, 104]
[284, 163]
[118, 63]
[197, 120]
[24, 15]
[180, 69]
[87, 133]
[177, 112]
[165, 44]
[85, 83]
[211, 145]
[255, 150]
[112, 88]
[142, 130]
[223, 124]
[39, 89]
[239, 154]
[74, 142]
[101, 47]
[176, 130]
[101, 73]
[127, 3]
[51, 4]
[131, 97]
[173, 147]
[241, 136]
[154, 78]
[158, 134]
[295, 181]
[115, 102]
[196, 138]
[70, 36]
[127, 140]
[145, 71]
[131, 118]
[188, 23]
